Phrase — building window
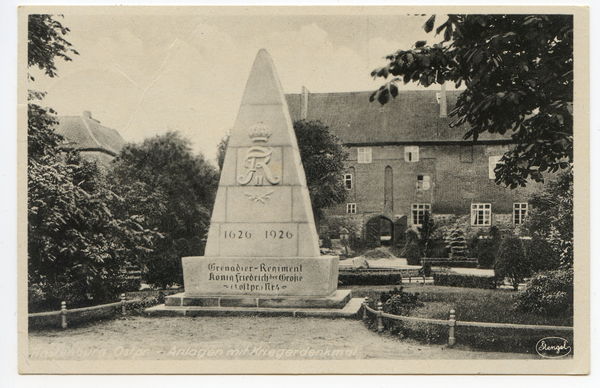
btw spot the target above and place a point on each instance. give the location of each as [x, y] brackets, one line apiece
[411, 154]
[423, 182]
[351, 208]
[364, 155]
[481, 214]
[519, 213]
[494, 161]
[418, 212]
[348, 181]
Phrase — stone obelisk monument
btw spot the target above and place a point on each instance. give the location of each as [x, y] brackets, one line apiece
[262, 249]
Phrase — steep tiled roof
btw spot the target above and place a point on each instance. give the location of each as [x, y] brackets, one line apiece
[86, 134]
[413, 116]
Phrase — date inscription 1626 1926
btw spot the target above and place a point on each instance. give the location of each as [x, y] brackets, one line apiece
[269, 234]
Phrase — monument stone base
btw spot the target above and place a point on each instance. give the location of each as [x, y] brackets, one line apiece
[294, 286]
[268, 276]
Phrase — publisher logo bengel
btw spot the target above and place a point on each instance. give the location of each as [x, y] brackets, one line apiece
[553, 347]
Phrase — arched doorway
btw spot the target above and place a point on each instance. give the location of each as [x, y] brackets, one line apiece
[380, 231]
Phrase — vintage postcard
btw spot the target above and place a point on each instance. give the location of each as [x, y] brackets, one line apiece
[303, 190]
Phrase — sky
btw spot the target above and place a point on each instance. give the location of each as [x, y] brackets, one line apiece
[147, 74]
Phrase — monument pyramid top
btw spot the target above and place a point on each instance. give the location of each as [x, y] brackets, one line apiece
[263, 206]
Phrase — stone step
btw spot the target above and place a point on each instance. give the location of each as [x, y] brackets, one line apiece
[335, 301]
[350, 310]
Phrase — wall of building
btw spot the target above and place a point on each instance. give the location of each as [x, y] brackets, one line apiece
[459, 176]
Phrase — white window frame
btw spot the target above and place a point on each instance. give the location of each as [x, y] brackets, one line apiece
[411, 154]
[481, 214]
[493, 162]
[365, 155]
[424, 183]
[417, 212]
[348, 179]
[351, 208]
[520, 210]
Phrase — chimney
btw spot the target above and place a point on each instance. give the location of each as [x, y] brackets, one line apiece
[87, 114]
[304, 103]
[442, 102]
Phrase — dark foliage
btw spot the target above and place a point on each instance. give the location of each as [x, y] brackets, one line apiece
[548, 293]
[182, 187]
[518, 73]
[46, 43]
[551, 216]
[369, 278]
[425, 232]
[457, 243]
[323, 158]
[412, 254]
[541, 255]
[511, 262]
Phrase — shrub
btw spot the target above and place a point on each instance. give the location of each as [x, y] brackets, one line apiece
[486, 253]
[438, 249]
[541, 255]
[412, 253]
[359, 278]
[326, 242]
[427, 269]
[398, 302]
[464, 280]
[511, 262]
[548, 293]
[457, 244]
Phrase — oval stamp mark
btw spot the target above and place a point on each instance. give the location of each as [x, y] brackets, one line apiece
[553, 347]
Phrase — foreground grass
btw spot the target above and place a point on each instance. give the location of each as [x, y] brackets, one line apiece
[474, 305]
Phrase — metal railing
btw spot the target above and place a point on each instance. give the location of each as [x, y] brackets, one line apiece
[64, 312]
[452, 323]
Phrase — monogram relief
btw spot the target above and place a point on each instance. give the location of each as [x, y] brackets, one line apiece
[258, 157]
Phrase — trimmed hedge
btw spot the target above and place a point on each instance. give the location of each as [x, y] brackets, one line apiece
[363, 278]
[464, 280]
[447, 262]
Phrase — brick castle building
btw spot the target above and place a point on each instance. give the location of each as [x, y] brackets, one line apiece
[405, 159]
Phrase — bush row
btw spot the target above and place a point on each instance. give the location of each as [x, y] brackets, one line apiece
[464, 280]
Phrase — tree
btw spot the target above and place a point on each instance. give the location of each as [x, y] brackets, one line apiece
[426, 230]
[222, 149]
[551, 216]
[518, 73]
[323, 158]
[511, 262]
[458, 245]
[76, 245]
[183, 186]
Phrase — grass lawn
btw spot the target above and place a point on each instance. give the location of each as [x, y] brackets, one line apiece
[473, 305]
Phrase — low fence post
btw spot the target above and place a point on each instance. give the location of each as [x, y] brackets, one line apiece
[123, 305]
[451, 338]
[379, 317]
[365, 305]
[63, 312]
